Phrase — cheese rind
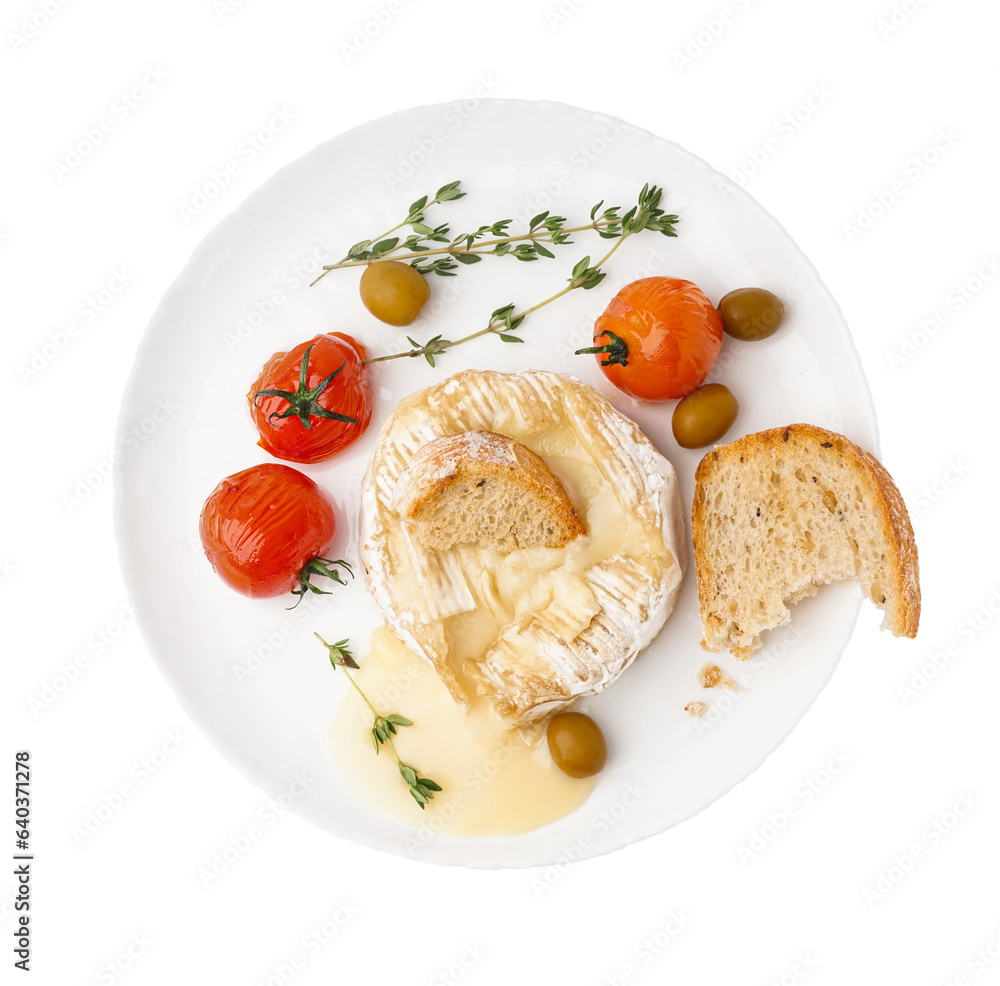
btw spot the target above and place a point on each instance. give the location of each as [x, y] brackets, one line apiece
[532, 629]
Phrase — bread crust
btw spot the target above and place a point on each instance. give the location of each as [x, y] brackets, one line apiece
[902, 609]
[475, 457]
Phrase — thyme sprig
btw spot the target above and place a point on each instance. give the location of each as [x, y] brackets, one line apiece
[364, 251]
[644, 215]
[470, 248]
[495, 239]
[421, 789]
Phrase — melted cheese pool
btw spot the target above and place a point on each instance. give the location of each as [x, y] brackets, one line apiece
[494, 782]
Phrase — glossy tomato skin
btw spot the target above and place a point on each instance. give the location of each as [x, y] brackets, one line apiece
[673, 333]
[349, 394]
[260, 526]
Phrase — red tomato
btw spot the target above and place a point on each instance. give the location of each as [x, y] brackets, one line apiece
[314, 400]
[265, 530]
[658, 338]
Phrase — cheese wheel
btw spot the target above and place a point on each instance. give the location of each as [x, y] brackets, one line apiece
[531, 629]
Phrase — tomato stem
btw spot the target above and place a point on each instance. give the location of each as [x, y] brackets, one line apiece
[616, 350]
[319, 566]
[304, 403]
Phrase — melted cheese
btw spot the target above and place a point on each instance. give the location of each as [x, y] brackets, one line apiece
[497, 780]
[544, 587]
[501, 594]
[494, 781]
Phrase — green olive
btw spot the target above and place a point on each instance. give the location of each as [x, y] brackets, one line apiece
[751, 313]
[394, 292]
[704, 416]
[577, 744]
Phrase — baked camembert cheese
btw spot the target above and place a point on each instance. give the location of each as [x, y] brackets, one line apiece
[531, 629]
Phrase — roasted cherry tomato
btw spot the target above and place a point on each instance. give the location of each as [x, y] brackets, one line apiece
[314, 400]
[265, 531]
[658, 338]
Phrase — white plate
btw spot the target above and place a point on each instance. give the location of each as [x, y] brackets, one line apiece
[244, 295]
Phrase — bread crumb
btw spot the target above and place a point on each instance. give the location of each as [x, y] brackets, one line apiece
[712, 676]
[696, 709]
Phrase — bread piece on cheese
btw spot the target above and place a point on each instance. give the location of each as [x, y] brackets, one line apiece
[778, 514]
[478, 487]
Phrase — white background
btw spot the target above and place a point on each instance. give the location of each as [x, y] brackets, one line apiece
[835, 117]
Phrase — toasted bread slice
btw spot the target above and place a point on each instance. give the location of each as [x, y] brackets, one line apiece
[779, 513]
[478, 487]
